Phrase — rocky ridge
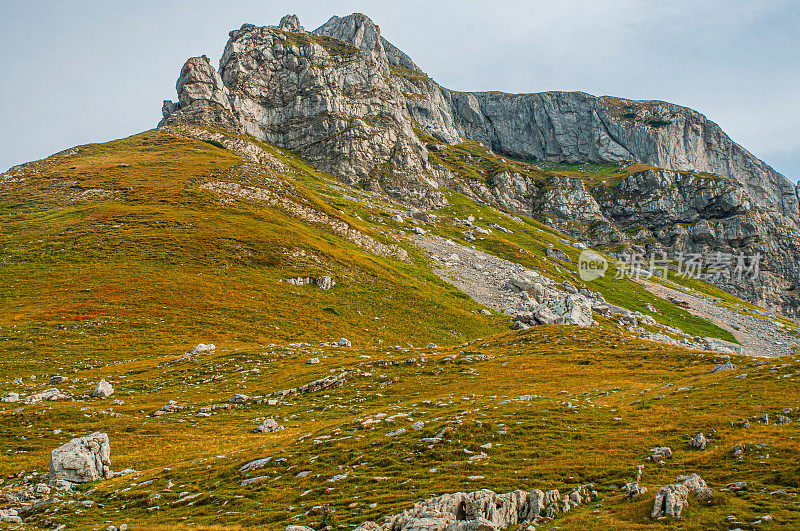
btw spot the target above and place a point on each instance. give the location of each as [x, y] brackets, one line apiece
[347, 100]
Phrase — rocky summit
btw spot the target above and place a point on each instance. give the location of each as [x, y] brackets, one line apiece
[350, 102]
[327, 293]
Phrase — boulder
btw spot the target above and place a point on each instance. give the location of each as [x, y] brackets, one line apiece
[268, 426]
[535, 505]
[103, 389]
[82, 460]
[698, 441]
[10, 516]
[201, 348]
[238, 399]
[572, 309]
[10, 398]
[671, 499]
[344, 343]
[558, 254]
[726, 366]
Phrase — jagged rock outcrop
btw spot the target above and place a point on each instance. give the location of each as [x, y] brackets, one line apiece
[330, 99]
[577, 127]
[671, 499]
[348, 101]
[485, 510]
[685, 213]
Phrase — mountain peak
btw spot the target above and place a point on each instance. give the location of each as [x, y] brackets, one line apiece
[290, 23]
[356, 29]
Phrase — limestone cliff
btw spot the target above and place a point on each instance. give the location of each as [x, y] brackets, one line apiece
[349, 101]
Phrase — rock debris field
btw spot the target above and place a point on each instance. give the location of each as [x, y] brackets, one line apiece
[760, 333]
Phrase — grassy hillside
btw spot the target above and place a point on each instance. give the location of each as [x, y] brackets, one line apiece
[599, 402]
[119, 240]
[117, 258]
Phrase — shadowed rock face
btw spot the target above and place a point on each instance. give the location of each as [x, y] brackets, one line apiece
[347, 100]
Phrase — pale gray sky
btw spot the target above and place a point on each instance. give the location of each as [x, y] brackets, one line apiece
[89, 71]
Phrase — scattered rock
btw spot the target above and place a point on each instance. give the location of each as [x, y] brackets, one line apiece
[660, 453]
[324, 282]
[633, 490]
[47, 394]
[171, 407]
[238, 399]
[726, 366]
[255, 464]
[103, 389]
[698, 441]
[268, 426]
[736, 486]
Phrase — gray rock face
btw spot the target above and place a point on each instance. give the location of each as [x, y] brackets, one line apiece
[328, 95]
[347, 100]
[81, 460]
[722, 217]
[577, 127]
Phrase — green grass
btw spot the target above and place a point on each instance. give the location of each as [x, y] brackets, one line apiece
[634, 403]
[119, 284]
[165, 250]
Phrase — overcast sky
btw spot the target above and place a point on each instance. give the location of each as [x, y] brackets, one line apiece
[85, 71]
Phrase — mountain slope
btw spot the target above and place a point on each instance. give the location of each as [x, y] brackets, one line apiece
[130, 234]
[119, 257]
[350, 102]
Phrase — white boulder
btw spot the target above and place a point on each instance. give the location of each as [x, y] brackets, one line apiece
[103, 389]
[82, 460]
